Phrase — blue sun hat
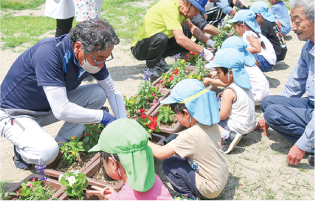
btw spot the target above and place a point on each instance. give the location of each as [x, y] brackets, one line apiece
[239, 44]
[201, 103]
[232, 59]
[262, 8]
[248, 17]
[199, 4]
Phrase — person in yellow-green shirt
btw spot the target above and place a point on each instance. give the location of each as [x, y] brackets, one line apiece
[164, 32]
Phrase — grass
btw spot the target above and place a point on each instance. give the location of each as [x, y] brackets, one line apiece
[123, 15]
[24, 29]
[20, 4]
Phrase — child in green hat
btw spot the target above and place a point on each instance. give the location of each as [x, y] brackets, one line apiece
[199, 167]
[129, 158]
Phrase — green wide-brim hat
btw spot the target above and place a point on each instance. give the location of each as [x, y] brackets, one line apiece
[129, 140]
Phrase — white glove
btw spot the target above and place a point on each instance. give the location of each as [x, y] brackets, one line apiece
[207, 55]
[210, 43]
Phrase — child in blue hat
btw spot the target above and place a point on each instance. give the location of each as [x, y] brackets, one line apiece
[269, 28]
[199, 168]
[246, 26]
[237, 111]
[257, 79]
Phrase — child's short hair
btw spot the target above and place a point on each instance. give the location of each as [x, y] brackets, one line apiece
[178, 107]
[106, 155]
[225, 70]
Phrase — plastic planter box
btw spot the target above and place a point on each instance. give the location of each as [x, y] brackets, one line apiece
[54, 184]
[50, 172]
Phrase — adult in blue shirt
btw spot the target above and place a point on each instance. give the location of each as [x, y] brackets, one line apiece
[290, 114]
[280, 11]
[43, 87]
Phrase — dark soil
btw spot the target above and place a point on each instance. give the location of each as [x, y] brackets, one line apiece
[169, 125]
[83, 158]
[99, 175]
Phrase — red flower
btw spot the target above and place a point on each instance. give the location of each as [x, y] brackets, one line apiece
[92, 124]
[34, 179]
[191, 52]
[142, 110]
[88, 134]
[189, 58]
[97, 131]
[175, 71]
[223, 29]
[143, 116]
[171, 78]
[185, 59]
[153, 126]
[152, 119]
[161, 81]
[187, 55]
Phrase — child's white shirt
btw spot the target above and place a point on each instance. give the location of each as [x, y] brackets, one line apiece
[269, 53]
[258, 81]
[242, 115]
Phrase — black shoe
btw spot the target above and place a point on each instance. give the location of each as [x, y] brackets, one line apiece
[153, 73]
[105, 108]
[228, 144]
[310, 159]
[19, 163]
[162, 65]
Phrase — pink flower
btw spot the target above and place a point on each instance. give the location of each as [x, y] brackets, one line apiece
[157, 85]
[17, 193]
[160, 91]
[154, 101]
[29, 184]
[153, 94]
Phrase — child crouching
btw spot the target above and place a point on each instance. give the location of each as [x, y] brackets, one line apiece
[199, 168]
[237, 107]
[130, 159]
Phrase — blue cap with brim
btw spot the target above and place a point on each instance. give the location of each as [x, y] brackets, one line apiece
[232, 59]
[199, 4]
[201, 103]
[239, 44]
[262, 8]
[248, 17]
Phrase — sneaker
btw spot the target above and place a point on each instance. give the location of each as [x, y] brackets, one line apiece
[228, 144]
[18, 161]
[162, 65]
[153, 73]
[310, 159]
[181, 197]
[105, 108]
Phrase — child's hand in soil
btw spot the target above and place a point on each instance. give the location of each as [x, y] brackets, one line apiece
[103, 193]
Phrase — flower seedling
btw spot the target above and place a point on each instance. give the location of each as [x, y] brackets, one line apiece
[223, 30]
[75, 183]
[147, 96]
[71, 149]
[148, 122]
[192, 57]
[165, 115]
[91, 134]
[2, 193]
[33, 190]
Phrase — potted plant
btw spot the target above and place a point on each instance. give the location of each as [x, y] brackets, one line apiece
[167, 120]
[91, 135]
[75, 184]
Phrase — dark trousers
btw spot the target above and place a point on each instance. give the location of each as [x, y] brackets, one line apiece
[288, 116]
[153, 49]
[181, 176]
[63, 26]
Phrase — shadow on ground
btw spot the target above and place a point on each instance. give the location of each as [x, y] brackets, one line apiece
[229, 189]
[122, 73]
[273, 82]
[280, 66]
